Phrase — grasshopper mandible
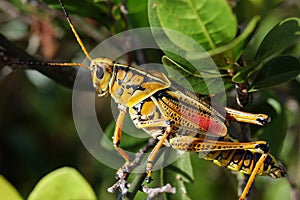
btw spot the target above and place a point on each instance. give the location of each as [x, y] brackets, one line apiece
[176, 117]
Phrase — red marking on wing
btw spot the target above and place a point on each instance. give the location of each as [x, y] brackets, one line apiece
[207, 124]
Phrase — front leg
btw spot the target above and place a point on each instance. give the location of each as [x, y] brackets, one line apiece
[117, 138]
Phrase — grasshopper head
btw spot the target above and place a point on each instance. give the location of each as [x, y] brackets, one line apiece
[101, 70]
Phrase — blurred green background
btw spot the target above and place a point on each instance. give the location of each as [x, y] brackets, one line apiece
[37, 130]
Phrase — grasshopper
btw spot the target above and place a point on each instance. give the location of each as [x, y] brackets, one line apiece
[177, 117]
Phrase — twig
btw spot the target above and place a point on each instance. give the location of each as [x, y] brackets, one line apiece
[153, 192]
[138, 157]
[122, 185]
[242, 99]
[295, 195]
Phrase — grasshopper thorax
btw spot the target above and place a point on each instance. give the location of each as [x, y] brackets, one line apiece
[101, 70]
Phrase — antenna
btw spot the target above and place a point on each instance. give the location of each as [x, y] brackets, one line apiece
[75, 32]
[68, 64]
[63, 64]
[55, 64]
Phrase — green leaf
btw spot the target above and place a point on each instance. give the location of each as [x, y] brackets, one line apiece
[178, 51]
[210, 23]
[177, 174]
[152, 14]
[137, 13]
[206, 72]
[282, 36]
[193, 80]
[235, 48]
[276, 71]
[63, 184]
[242, 74]
[8, 191]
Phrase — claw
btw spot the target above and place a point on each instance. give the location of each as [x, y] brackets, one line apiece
[148, 179]
[263, 147]
[264, 120]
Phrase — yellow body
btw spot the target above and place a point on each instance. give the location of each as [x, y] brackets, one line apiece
[155, 104]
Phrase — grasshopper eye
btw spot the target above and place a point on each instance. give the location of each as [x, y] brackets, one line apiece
[99, 72]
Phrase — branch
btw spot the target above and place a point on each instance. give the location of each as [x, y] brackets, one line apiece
[129, 190]
[295, 194]
[153, 192]
[12, 56]
[122, 185]
[242, 99]
[127, 169]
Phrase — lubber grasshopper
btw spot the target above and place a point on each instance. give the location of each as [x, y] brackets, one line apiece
[177, 117]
